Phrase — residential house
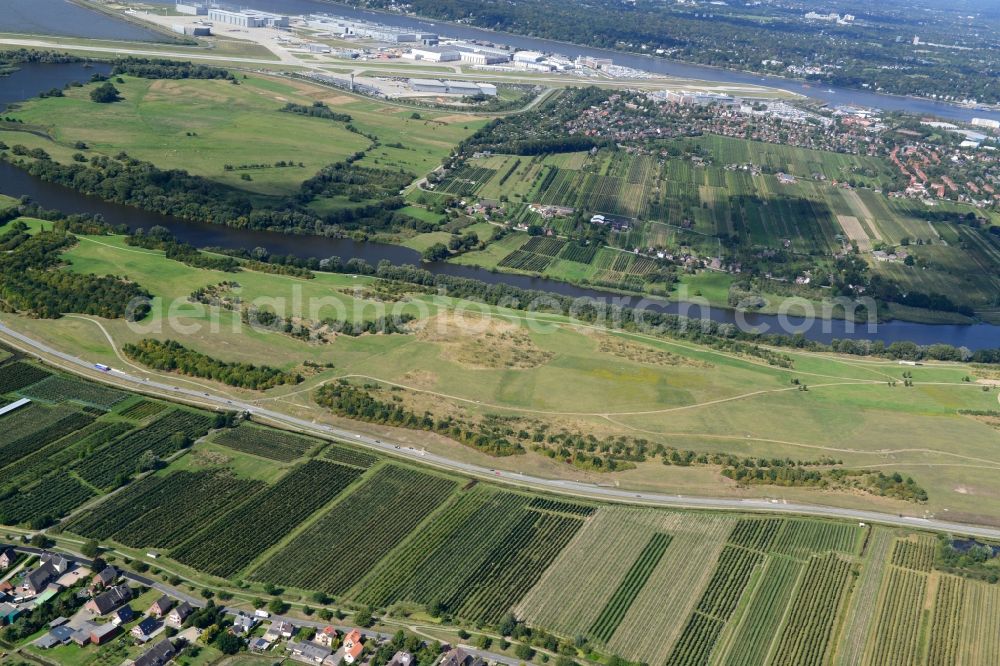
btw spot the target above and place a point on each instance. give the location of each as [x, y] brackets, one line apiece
[459, 657]
[58, 562]
[353, 653]
[352, 638]
[326, 637]
[308, 652]
[103, 578]
[158, 655]
[244, 624]
[110, 599]
[179, 614]
[161, 607]
[123, 615]
[58, 636]
[144, 630]
[401, 659]
[103, 633]
[279, 629]
[36, 580]
[259, 645]
[7, 557]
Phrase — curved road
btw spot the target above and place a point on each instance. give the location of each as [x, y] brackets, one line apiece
[586, 490]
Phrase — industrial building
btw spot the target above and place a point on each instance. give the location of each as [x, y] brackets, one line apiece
[480, 55]
[528, 56]
[433, 54]
[349, 28]
[465, 88]
[191, 9]
[248, 18]
[986, 122]
[318, 48]
[593, 63]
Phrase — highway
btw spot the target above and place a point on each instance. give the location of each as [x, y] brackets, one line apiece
[563, 487]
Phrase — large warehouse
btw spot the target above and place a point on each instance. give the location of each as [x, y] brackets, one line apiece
[466, 88]
[248, 18]
[434, 54]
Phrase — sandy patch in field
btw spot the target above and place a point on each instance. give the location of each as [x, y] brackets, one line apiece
[420, 379]
[644, 354]
[479, 342]
[168, 89]
[852, 227]
[339, 100]
[454, 118]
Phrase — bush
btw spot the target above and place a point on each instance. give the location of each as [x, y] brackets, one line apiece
[105, 93]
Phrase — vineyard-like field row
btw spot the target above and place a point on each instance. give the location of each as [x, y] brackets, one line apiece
[897, 630]
[266, 442]
[239, 536]
[61, 389]
[44, 460]
[807, 637]
[980, 639]
[611, 616]
[162, 511]
[142, 410]
[347, 455]
[333, 553]
[946, 626]
[20, 374]
[163, 437]
[764, 614]
[864, 600]
[43, 503]
[915, 553]
[26, 444]
[525, 261]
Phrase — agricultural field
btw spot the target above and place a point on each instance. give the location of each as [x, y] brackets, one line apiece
[346, 455]
[57, 389]
[231, 542]
[336, 550]
[163, 510]
[266, 442]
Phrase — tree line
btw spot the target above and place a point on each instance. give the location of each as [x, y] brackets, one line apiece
[172, 356]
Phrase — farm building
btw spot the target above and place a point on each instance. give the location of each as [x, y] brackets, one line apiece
[433, 54]
[36, 581]
[308, 652]
[17, 404]
[103, 633]
[248, 18]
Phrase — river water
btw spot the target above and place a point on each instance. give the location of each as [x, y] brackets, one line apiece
[66, 19]
[34, 78]
[648, 63]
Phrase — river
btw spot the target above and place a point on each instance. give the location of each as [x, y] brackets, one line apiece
[653, 64]
[64, 18]
[35, 78]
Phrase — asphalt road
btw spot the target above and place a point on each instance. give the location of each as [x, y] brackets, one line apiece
[587, 490]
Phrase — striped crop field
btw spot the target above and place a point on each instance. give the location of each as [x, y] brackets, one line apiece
[808, 636]
[916, 552]
[765, 613]
[864, 600]
[335, 551]
[897, 631]
[613, 612]
[980, 640]
[946, 625]
[569, 599]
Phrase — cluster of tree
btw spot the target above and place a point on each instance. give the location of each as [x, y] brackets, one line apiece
[875, 483]
[158, 68]
[29, 284]
[106, 93]
[24, 56]
[356, 183]
[540, 130]
[175, 192]
[361, 404]
[160, 238]
[424, 654]
[317, 110]
[172, 356]
[968, 558]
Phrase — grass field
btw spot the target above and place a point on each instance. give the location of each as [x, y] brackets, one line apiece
[659, 389]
